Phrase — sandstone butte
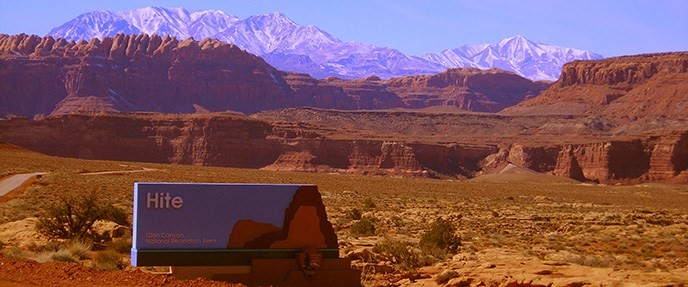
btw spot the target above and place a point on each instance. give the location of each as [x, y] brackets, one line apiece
[619, 120]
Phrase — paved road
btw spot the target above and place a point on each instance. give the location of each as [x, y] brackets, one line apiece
[15, 181]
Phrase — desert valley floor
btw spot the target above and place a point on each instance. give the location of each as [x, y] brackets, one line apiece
[516, 228]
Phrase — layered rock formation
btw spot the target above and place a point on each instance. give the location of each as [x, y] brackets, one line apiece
[368, 94]
[240, 141]
[236, 141]
[377, 157]
[134, 73]
[623, 88]
[615, 120]
[468, 88]
[162, 74]
[584, 148]
[648, 158]
[226, 140]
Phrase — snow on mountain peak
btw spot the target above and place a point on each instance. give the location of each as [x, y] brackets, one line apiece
[513, 39]
[177, 22]
[292, 47]
[524, 57]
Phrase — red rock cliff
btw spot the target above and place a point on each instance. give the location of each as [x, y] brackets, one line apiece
[134, 73]
[467, 88]
[219, 140]
[626, 70]
[234, 141]
[623, 88]
[240, 141]
[162, 74]
[647, 158]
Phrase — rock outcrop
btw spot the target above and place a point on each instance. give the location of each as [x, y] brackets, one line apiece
[127, 73]
[377, 157]
[650, 158]
[227, 140]
[669, 158]
[624, 88]
[605, 161]
[341, 94]
[239, 141]
[368, 94]
[466, 88]
[134, 73]
[624, 71]
[233, 141]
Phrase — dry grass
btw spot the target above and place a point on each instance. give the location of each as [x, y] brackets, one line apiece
[633, 227]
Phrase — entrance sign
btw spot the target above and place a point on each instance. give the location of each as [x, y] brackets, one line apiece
[193, 224]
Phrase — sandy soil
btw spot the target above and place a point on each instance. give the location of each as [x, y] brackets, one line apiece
[23, 273]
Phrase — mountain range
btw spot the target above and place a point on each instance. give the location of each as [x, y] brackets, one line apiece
[289, 46]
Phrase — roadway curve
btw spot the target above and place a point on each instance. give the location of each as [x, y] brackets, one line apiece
[15, 181]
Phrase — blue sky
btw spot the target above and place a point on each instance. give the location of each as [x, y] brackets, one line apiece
[608, 27]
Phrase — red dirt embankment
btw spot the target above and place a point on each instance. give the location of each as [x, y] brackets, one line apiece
[23, 273]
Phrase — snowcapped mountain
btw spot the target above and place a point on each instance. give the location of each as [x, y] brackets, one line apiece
[517, 54]
[291, 47]
[351, 60]
[263, 34]
[176, 22]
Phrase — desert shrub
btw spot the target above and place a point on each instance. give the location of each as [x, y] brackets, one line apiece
[14, 253]
[118, 215]
[80, 249]
[404, 254]
[440, 239]
[107, 260]
[355, 214]
[63, 255]
[471, 248]
[367, 275]
[50, 246]
[369, 203]
[73, 217]
[591, 260]
[121, 245]
[363, 227]
[445, 276]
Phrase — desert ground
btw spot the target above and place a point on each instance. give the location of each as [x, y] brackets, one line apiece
[516, 228]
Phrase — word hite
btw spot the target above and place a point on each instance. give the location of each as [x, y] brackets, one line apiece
[163, 200]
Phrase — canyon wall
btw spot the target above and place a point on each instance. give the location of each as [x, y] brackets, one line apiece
[623, 88]
[467, 88]
[239, 141]
[630, 125]
[127, 73]
[650, 158]
[133, 73]
[233, 141]
[221, 141]
[626, 70]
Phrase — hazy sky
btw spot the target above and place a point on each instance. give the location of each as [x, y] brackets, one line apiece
[608, 27]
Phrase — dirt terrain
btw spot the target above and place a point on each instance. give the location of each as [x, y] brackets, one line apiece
[25, 273]
[516, 227]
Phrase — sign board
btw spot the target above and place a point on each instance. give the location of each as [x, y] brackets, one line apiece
[192, 224]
